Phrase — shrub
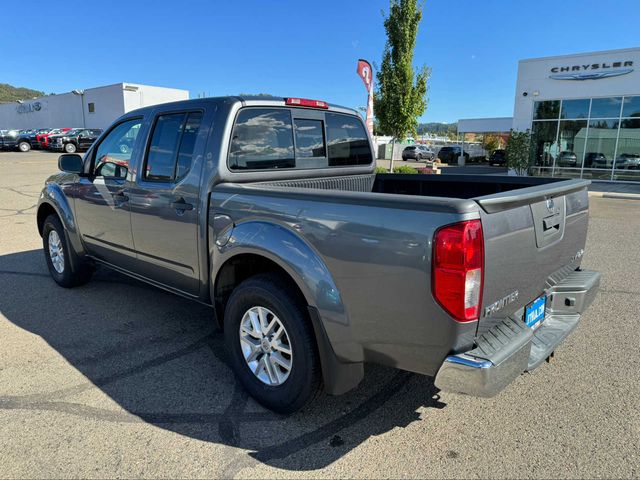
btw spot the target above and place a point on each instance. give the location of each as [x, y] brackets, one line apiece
[382, 170]
[518, 151]
[404, 169]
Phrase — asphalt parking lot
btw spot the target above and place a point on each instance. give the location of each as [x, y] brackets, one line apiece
[119, 379]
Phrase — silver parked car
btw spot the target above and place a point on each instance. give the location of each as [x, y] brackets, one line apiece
[418, 152]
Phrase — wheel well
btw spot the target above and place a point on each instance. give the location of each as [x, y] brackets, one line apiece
[238, 269]
[43, 212]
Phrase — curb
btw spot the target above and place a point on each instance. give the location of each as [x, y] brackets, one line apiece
[619, 196]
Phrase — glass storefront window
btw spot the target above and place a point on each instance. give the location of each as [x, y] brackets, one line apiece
[571, 139]
[627, 164]
[597, 138]
[631, 107]
[601, 143]
[575, 108]
[606, 107]
[548, 109]
[545, 147]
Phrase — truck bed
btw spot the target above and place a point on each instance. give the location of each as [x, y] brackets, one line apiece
[455, 185]
[376, 245]
[492, 192]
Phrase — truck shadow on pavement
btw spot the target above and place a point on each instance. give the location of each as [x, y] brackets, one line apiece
[161, 360]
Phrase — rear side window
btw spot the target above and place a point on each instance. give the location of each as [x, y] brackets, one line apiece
[171, 150]
[268, 138]
[347, 141]
[262, 139]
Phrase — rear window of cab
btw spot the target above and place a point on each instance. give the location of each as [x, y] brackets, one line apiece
[274, 138]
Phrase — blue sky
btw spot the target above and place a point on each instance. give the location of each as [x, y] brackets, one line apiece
[301, 48]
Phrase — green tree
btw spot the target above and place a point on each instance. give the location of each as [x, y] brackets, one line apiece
[518, 151]
[490, 143]
[400, 97]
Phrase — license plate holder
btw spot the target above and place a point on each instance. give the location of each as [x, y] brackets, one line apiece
[534, 313]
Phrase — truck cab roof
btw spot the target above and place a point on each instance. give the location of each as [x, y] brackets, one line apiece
[245, 100]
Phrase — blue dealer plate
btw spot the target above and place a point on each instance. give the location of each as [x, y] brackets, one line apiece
[534, 313]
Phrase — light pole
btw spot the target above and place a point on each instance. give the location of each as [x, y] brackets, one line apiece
[81, 94]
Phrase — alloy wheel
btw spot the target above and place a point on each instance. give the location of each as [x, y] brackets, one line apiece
[56, 252]
[266, 346]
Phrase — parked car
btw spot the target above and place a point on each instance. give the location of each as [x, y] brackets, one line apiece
[314, 265]
[26, 139]
[498, 157]
[449, 155]
[595, 160]
[74, 140]
[567, 158]
[8, 139]
[43, 138]
[418, 152]
[629, 161]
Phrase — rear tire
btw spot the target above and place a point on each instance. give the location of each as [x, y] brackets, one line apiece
[24, 147]
[64, 265]
[290, 389]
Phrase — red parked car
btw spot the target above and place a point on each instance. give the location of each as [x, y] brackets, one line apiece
[43, 138]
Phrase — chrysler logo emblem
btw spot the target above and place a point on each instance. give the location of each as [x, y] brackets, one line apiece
[591, 75]
[592, 71]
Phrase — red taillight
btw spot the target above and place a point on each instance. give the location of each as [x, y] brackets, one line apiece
[305, 102]
[458, 264]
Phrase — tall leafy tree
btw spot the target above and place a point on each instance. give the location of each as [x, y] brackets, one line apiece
[400, 97]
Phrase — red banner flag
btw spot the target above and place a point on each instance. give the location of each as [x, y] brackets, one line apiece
[366, 74]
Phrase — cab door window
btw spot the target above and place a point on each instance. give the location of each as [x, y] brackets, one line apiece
[111, 158]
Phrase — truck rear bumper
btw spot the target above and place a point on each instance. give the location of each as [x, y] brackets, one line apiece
[511, 348]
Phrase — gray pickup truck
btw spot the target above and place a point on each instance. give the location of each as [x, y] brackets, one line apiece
[269, 210]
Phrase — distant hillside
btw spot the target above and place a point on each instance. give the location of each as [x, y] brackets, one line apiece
[9, 93]
[438, 128]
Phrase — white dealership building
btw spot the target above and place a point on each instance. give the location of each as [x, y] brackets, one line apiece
[89, 108]
[583, 111]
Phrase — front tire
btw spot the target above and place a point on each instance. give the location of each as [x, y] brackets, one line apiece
[64, 266]
[70, 148]
[24, 147]
[271, 344]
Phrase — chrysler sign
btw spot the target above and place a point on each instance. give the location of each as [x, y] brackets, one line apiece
[591, 71]
[29, 107]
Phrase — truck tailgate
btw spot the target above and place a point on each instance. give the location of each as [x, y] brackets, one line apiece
[534, 238]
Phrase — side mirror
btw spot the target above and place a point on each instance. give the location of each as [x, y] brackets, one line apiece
[112, 170]
[70, 163]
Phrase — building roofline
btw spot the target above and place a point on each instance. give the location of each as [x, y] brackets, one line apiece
[484, 118]
[120, 84]
[584, 54]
